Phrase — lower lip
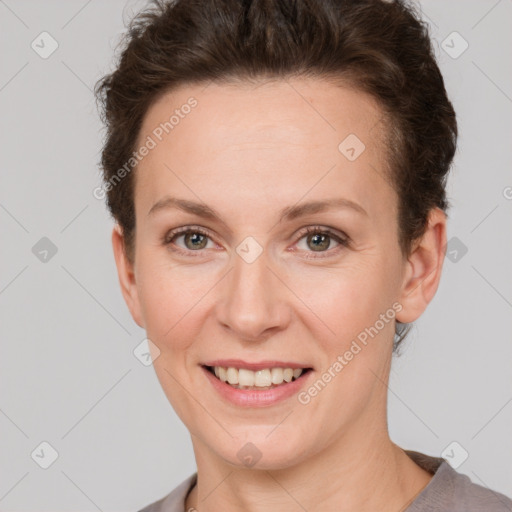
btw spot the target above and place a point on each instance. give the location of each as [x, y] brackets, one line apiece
[254, 398]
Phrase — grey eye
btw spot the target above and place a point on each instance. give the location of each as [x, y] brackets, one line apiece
[319, 241]
[194, 240]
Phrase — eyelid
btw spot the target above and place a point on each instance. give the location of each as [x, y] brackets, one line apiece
[323, 230]
[172, 233]
[183, 230]
[340, 237]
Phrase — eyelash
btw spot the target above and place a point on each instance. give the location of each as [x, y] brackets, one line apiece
[169, 237]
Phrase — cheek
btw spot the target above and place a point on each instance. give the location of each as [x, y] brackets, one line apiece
[346, 300]
[171, 300]
[173, 304]
[357, 342]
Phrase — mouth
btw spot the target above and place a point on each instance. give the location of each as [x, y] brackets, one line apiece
[262, 379]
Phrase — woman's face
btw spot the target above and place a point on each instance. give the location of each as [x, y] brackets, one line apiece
[253, 285]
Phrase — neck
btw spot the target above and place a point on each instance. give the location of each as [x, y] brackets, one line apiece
[361, 472]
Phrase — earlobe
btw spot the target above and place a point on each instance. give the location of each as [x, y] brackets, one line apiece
[424, 268]
[126, 275]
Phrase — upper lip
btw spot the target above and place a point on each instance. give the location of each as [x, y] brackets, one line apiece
[255, 366]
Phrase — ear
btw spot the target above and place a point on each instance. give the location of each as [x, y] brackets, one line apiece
[126, 274]
[423, 269]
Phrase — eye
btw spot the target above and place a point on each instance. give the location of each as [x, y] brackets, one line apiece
[194, 239]
[318, 239]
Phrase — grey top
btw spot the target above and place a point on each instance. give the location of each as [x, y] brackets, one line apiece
[448, 491]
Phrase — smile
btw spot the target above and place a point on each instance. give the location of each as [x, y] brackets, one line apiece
[260, 387]
[264, 379]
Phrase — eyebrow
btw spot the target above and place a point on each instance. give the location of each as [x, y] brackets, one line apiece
[287, 214]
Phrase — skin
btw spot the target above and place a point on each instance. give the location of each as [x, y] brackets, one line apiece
[248, 151]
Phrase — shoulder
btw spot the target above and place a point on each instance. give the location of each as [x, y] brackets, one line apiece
[175, 500]
[455, 492]
[471, 497]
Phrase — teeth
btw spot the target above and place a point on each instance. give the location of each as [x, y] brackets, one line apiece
[267, 378]
[223, 374]
[232, 376]
[262, 378]
[277, 375]
[245, 377]
[287, 374]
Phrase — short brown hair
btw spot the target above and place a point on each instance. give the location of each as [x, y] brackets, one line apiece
[379, 47]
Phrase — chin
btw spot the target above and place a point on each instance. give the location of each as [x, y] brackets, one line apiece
[257, 450]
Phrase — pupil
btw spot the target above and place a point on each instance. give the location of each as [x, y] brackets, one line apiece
[324, 238]
[195, 237]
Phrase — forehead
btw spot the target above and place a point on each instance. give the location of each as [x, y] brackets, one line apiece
[272, 139]
[311, 111]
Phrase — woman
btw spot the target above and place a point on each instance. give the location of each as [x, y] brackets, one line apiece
[277, 171]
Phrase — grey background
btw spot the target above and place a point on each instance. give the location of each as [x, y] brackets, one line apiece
[68, 373]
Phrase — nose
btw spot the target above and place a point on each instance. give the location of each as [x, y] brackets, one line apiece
[254, 304]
